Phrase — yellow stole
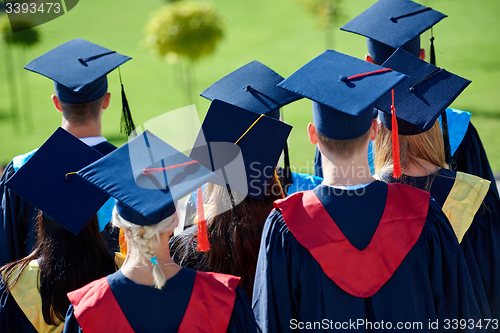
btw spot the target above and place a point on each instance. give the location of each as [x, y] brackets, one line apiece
[27, 296]
[464, 200]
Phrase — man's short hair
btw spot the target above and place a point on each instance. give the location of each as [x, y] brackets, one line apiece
[82, 113]
[343, 148]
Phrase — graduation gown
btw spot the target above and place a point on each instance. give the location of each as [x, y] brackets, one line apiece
[189, 302]
[474, 212]
[470, 157]
[17, 216]
[390, 256]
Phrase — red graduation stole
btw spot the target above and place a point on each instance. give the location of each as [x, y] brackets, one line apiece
[209, 310]
[211, 304]
[107, 316]
[359, 273]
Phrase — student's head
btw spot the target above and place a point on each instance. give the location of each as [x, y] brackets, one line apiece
[78, 69]
[391, 24]
[146, 193]
[82, 113]
[427, 146]
[343, 90]
[419, 101]
[145, 240]
[70, 250]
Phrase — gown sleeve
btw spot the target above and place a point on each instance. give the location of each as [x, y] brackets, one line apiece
[471, 158]
[70, 323]
[242, 319]
[449, 276]
[481, 247]
[274, 293]
[17, 219]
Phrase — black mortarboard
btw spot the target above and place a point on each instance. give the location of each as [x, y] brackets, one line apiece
[343, 90]
[78, 69]
[421, 98]
[48, 181]
[252, 87]
[242, 147]
[146, 176]
[389, 24]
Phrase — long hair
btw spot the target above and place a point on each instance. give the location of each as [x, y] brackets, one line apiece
[235, 233]
[67, 262]
[145, 239]
[427, 146]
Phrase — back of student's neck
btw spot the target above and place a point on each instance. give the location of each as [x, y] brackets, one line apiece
[419, 168]
[89, 129]
[351, 172]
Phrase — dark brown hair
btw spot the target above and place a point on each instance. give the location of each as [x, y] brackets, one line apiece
[67, 262]
[235, 234]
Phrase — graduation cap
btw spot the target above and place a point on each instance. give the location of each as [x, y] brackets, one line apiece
[48, 181]
[421, 98]
[229, 132]
[389, 24]
[78, 69]
[252, 87]
[146, 176]
[344, 91]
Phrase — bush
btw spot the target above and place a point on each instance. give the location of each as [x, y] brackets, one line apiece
[184, 29]
[27, 38]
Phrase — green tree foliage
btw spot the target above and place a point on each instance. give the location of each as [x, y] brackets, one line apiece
[185, 29]
[328, 13]
[27, 38]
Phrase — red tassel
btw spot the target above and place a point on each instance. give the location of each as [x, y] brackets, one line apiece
[203, 244]
[395, 142]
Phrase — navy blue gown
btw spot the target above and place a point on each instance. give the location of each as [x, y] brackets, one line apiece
[431, 283]
[470, 157]
[481, 242]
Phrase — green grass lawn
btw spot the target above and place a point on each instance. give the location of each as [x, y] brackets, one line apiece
[279, 33]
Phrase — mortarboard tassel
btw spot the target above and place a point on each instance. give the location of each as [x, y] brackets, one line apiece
[203, 244]
[433, 51]
[287, 177]
[395, 141]
[127, 125]
[122, 241]
[446, 140]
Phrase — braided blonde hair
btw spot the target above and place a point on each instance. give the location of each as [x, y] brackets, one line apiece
[145, 239]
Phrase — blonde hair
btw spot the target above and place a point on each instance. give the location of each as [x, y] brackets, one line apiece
[146, 239]
[427, 146]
